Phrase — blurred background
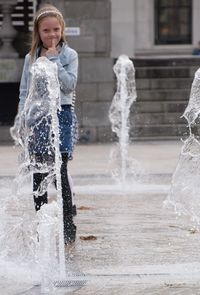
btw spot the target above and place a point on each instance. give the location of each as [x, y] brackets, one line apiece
[160, 37]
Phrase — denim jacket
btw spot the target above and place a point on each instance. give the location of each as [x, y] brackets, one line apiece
[67, 62]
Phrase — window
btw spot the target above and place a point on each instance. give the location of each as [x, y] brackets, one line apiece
[173, 21]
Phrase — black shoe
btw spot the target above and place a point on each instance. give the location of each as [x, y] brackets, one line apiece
[69, 232]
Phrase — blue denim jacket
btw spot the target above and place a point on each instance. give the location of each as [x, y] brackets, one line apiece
[67, 62]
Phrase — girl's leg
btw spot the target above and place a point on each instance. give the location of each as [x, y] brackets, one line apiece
[39, 200]
[73, 194]
[69, 227]
[74, 212]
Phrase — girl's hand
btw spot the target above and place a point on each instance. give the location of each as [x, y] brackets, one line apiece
[52, 50]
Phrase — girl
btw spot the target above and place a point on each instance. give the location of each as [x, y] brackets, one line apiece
[48, 40]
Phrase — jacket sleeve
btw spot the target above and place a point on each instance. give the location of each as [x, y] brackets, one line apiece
[67, 74]
[23, 88]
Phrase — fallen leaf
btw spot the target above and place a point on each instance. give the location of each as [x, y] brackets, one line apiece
[174, 285]
[84, 208]
[88, 238]
[193, 230]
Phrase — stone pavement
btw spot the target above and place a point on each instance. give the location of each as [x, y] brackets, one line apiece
[92, 159]
[137, 246]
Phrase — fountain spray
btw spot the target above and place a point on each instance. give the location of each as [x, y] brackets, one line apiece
[184, 192]
[120, 109]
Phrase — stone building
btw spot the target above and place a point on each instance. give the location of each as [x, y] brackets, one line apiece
[158, 35]
[154, 27]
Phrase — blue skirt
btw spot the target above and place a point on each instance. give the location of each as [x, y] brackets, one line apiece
[65, 129]
[41, 139]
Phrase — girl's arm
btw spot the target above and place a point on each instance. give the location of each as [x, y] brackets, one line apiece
[23, 88]
[67, 74]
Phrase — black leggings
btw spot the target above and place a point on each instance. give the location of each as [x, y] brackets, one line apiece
[66, 191]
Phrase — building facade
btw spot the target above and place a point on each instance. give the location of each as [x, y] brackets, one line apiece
[154, 27]
[159, 33]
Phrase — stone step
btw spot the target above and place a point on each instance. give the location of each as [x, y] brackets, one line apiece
[159, 107]
[163, 95]
[164, 72]
[165, 83]
[157, 138]
[163, 89]
[188, 61]
[159, 131]
[5, 134]
[156, 118]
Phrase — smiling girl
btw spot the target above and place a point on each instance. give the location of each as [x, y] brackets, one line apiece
[48, 40]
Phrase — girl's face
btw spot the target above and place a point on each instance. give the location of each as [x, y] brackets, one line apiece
[49, 29]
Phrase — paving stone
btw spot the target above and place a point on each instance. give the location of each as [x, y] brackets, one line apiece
[141, 247]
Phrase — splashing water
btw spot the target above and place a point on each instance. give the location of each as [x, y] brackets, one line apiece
[184, 192]
[29, 240]
[119, 112]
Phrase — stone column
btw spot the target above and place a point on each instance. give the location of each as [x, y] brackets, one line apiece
[7, 32]
[144, 31]
[123, 28]
[195, 22]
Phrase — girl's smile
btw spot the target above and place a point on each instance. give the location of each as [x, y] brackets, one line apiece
[50, 31]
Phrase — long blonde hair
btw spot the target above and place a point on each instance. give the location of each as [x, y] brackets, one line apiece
[44, 11]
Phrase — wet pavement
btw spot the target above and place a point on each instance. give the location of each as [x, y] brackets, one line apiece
[127, 241]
